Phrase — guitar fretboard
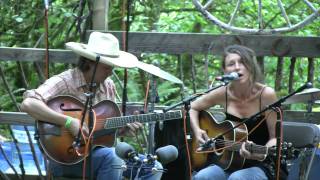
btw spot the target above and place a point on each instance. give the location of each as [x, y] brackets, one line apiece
[252, 148]
[118, 122]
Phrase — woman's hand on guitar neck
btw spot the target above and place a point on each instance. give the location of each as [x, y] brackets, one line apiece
[248, 155]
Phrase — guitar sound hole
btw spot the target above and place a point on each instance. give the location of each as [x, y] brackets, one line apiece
[69, 109]
[219, 144]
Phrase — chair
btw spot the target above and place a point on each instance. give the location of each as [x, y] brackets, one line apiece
[305, 137]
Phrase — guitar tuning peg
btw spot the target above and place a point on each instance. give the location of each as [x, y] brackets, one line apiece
[284, 144]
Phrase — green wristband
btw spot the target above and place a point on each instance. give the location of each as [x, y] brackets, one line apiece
[68, 122]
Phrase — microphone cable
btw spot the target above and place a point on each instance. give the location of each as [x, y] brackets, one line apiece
[186, 144]
[240, 141]
[279, 111]
[86, 148]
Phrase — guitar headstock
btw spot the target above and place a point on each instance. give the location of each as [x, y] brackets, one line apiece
[287, 151]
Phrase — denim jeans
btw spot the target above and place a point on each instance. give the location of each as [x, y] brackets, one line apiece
[106, 165]
[217, 173]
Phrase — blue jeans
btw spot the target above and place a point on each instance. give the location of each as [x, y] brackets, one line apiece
[217, 173]
[106, 165]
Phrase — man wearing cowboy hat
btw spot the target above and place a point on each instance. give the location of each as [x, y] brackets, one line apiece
[74, 82]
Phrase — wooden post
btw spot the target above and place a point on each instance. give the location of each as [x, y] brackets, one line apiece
[100, 15]
[291, 75]
[260, 61]
[277, 85]
[310, 70]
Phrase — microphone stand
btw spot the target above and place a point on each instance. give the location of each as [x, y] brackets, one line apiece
[186, 102]
[254, 118]
[153, 100]
[90, 95]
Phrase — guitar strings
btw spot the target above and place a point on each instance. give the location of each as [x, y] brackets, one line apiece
[227, 143]
[170, 114]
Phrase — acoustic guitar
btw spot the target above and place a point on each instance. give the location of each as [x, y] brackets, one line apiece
[57, 142]
[224, 150]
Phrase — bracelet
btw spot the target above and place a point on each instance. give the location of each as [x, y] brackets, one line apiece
[68, 122]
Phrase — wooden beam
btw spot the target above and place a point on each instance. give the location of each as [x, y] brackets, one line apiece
[183, 43]
[195, 43]
[16, 118]
[37, 54]
[302, 116]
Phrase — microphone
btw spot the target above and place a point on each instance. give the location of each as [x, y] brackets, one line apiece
[164, 155]
[126, 152]
[228, 77]
[167, 154]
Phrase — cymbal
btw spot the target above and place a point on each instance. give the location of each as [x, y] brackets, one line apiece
[306, 96]
[158, 72]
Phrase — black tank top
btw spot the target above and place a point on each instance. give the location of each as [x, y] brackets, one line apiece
[261, 134]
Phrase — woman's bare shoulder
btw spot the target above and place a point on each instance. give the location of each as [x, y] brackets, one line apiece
[268, 95]
[218, 93]
[212, 98]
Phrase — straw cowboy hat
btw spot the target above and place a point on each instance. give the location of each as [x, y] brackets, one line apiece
[107, 47]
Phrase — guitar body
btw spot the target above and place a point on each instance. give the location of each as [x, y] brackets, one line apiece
[56, 141]
[224, 158]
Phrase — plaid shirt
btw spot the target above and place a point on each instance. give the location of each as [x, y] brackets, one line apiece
[72, 83]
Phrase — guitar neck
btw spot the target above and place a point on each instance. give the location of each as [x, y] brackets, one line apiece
[118, 122]
[253, 148]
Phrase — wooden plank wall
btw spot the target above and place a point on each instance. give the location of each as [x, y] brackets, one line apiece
[183, 43]
[201, 43]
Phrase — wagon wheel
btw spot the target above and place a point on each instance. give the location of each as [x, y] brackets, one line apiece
[211, 9]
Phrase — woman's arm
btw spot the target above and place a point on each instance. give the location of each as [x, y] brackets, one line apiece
[203, 103]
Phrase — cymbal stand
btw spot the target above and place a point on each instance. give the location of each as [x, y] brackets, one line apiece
[304, 174]
[154, 98]
[309, 107]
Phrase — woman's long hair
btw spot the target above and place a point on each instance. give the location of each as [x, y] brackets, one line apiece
[248, 57]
